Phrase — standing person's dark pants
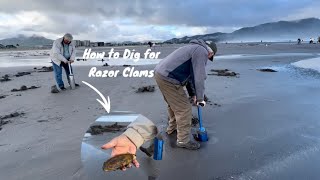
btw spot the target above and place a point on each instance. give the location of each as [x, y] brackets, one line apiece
[58, 73]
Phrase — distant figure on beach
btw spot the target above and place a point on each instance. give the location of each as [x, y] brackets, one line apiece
[319, 39]
[311, 41]
[62, 53]
[299, 41]
[184, 65]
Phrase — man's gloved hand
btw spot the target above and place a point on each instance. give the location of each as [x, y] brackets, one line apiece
[71, 61]
[201, 103]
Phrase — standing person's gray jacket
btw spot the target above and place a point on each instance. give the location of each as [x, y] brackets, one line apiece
[56, 53]
[186, 64]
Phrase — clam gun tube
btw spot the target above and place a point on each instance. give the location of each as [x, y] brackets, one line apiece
[202, 133]
[158, 148]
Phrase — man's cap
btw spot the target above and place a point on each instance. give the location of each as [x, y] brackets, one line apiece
[68, 37]
[212, 47]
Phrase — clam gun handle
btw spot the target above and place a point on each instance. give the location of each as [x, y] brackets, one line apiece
[201, 104]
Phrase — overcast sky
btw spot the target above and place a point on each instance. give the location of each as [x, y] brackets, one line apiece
[133, 20]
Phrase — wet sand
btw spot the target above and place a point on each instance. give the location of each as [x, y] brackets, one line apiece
[266, 128]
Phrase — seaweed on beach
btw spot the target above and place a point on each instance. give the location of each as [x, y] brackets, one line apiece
[99, 129]
[45, 69]
[223, 72]
[12, 115]
[3, 96]
[5, 78]
[3, 119]
[145, 89]
[24, 88]
[19, 74]
[267, 70]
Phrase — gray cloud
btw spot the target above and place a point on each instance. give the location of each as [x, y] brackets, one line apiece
[83, 17]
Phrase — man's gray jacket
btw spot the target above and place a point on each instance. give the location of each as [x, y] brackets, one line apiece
[186, 64]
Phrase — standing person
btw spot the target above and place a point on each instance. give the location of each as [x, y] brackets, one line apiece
[299, 41]
[311, 41]
[184, 65]
[62, 53]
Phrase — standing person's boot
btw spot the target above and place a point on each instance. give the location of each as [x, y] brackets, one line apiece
[191, 145]
[54, 89]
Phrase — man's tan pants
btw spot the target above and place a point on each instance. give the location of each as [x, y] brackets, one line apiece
[179, 108]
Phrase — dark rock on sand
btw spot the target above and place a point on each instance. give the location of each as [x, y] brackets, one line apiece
[33, 87]
[40, 121]
[5, 78]
[145, 89]
[12, 115]
[24, 88]
[219, 70]
[19, 74]
[14, 90]
[3, 96]
[98, 129]
[125, 65]
[267, 70]
[223, 72]
[45, 69]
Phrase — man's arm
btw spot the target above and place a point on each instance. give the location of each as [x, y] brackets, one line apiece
[73, 54]
[190, 88]
[141, 130]
[199, 60]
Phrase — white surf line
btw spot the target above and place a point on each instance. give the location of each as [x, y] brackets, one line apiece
[279, 165]
[312, 63]
[105, 103]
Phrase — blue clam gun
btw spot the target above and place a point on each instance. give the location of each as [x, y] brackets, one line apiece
[158, 148]
[202, 135]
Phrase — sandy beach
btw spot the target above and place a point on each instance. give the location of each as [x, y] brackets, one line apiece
[266, 127]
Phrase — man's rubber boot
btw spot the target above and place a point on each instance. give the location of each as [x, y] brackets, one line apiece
[54, 89]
